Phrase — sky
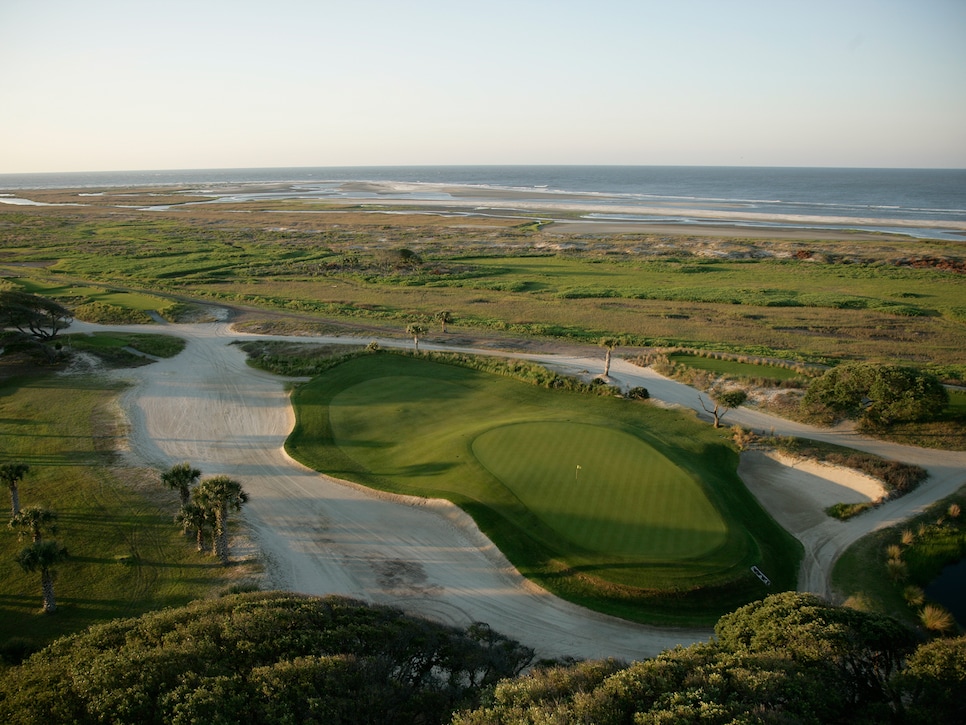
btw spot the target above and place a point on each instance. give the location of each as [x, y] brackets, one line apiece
[175, 84]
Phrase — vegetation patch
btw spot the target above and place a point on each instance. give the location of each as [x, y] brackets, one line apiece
[890, 569]
[262, 658]
[839, 300]
[282, 658]
[741, 368]
[63, 428]
[413, 426]
[127, 349]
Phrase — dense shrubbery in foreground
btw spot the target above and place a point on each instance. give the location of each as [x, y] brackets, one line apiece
[261, 658]
[284, 658]
[787, 659]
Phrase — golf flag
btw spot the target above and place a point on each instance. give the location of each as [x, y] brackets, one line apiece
[577, 472]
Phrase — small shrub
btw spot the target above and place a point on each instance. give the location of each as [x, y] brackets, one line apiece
[897, 570]
[845, 511]
[743, 438]
[936, 619]
[914, 595]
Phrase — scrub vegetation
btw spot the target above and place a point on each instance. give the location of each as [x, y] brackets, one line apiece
[266, 658]
[888, 570]
[807, 300]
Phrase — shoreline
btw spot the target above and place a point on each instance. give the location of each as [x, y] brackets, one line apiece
[567, 212]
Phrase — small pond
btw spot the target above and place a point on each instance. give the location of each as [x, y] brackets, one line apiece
[949, 589]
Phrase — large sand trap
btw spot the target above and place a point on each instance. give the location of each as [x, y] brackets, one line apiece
[321, 536]
[797, 491]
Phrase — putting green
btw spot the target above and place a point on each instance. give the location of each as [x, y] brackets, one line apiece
[603, 489]
[653, 526]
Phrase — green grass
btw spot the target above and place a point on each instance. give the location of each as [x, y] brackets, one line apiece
[603, 490]
[844, 300]
[116, 298]
[735, 368]
[957, 404]
[655, 526]
[127, 557]
[113, 345]
[861, 572]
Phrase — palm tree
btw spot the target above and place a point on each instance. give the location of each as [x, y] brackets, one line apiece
[443, 317]
[415, 329]
[180, 477]
[43, 556]
[219, 495]
[33, 521]
[197, 517]
[12, 474]
[610, 343]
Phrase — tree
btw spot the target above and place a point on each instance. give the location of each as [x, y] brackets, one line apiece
[443, 317]
[858, 650]
[876, 395]
[416, 330]
[219, 495]
[33, 315]
[180, 477]
[33, 521]
[934, 681]
[197, 517]
[12, 474]
[609, 343]
[723, 401]
[260, 658]
[43, 556]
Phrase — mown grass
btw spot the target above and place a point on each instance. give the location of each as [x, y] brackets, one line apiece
[408, 425]
[737, 369]
[126, 555]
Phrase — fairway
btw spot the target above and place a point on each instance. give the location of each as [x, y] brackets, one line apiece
[654, 524]
[603, 489]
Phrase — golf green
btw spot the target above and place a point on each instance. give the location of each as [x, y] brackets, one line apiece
[615, 504]
[602, 489]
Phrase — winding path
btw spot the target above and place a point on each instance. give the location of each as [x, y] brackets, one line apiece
[318, 535]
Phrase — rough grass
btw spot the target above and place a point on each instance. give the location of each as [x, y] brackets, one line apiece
[407, 425]
[815, 300]
[926, 543]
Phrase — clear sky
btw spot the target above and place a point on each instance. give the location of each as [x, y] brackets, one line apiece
[161, 84]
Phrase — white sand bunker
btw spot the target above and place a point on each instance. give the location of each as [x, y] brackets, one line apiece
[797, 491]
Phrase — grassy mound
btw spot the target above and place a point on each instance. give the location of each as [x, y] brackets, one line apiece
[668, 533]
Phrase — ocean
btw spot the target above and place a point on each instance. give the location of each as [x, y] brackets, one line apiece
[925, 203]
